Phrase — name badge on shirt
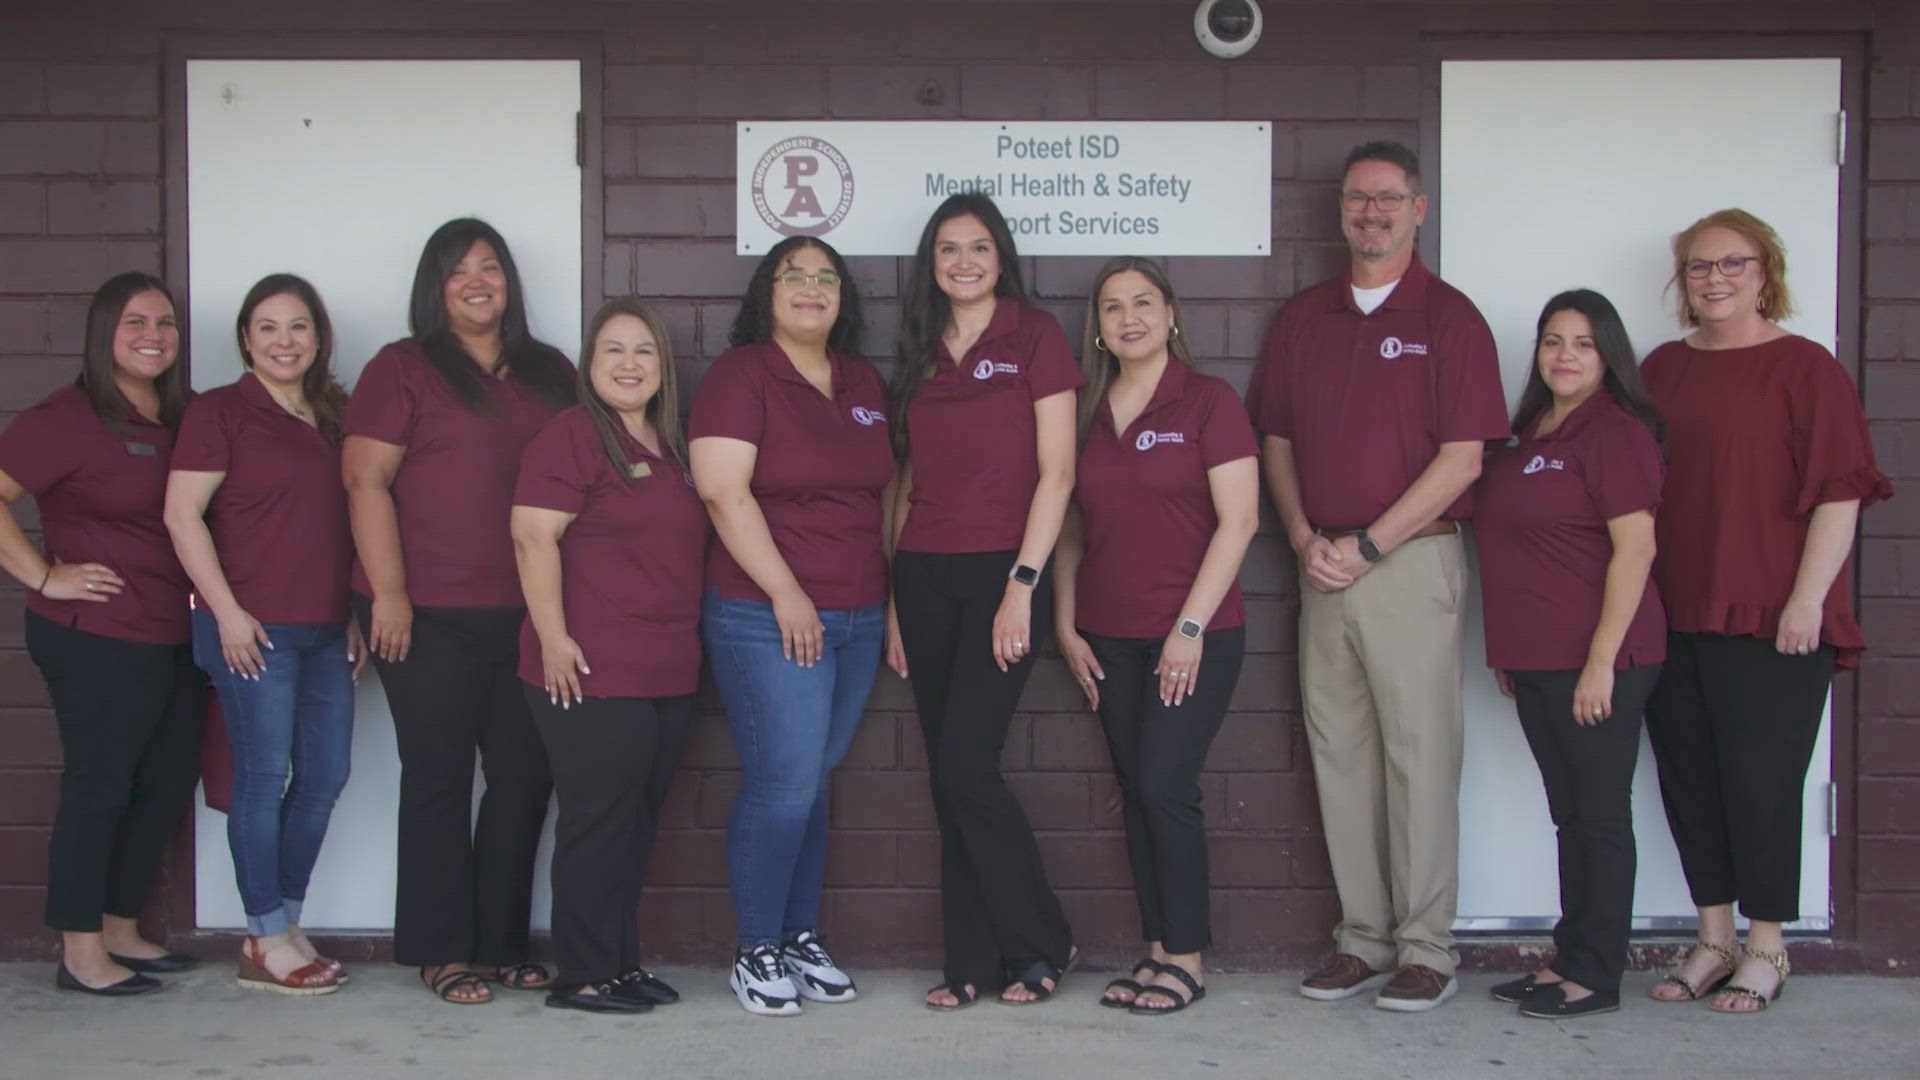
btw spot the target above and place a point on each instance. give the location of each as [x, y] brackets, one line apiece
[639, 470]
[140, 449]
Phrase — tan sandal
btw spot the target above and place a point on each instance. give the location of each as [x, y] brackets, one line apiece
[1729, 959]
[308, 980]
[1730, 993]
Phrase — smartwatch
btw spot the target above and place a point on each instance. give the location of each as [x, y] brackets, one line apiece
[1025, 575]
[1189, 629]
[1369, 550]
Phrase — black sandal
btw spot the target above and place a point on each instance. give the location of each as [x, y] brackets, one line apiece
[1180, 973]
[446, 982]
[525, 975]
[1129, 983]
[963, 996]
[1035, 977]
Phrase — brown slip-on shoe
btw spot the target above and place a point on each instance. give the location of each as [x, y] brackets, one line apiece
[1416, 988]
[1340, 978]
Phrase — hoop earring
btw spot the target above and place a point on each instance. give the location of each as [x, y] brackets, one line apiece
[1176, 331]
[1099, 343]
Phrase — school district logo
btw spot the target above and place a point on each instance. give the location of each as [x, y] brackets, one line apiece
[1147, 440]
[868, 417]
[808, 181]
[1393, 348]
[987, 369]
[1539, 463]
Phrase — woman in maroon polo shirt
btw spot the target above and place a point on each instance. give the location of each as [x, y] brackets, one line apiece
[790, 455]
[259, 520]
[1575, 632]
[1770, 465]
[610, 539]
[107, 627]
[434, 434]
[1148, 611]
[984, 398]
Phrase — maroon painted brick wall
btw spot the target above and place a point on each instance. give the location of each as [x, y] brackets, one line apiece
[81, 189]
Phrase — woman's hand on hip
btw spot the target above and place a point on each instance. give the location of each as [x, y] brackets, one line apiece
[81, 581]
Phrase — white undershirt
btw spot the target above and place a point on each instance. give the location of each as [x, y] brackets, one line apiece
[1369, 299]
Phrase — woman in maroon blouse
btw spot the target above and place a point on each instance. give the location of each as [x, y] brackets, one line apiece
[984, 398]
[107, 627]
[434, 434]
[1575, 633]
[610, 537]
[1770, 465]
[1147, 608]
[259, 520]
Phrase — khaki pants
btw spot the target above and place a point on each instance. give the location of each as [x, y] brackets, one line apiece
[1380, 678]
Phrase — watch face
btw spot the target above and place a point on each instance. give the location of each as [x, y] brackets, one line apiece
[1026, 575]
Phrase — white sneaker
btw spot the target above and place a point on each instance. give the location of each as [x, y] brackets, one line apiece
[760, 981]
[813, 971]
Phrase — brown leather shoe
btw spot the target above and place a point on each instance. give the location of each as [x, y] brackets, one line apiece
[1340, 978]
[1416, 988]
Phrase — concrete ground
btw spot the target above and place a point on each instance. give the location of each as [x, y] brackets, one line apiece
[384, 1025]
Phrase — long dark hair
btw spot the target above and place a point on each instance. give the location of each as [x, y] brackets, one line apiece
[663, 412]
[96, 357]
[525, 356]
[1621, 368]
[324, 392]
[754, 322]
[925, 310]
[1097, 365]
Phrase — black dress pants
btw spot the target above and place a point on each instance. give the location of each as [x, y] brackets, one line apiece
[613, 761]
[998, 913]
[1158, 751]
[1587, 770]
[465, 884]
[129, 715]
[1733, 723]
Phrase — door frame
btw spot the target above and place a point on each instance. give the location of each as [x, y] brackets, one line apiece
[174, 901]
[1849, 312]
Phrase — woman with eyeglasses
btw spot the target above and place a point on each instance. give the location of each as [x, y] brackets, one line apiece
[1769, 467]
[1575, 632]
[984, 400]
[790, 454]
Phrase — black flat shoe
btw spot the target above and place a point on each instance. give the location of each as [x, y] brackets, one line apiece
[648, 987]
[1550, 1003]
[128, 987]
[1518, 991]
[170, 964]
[608, 1000]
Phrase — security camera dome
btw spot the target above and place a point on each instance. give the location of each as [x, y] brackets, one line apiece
[1227, 28]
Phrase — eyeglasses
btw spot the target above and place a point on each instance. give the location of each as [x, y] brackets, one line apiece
[798, 279]
[1732, 266]
[1387, 201]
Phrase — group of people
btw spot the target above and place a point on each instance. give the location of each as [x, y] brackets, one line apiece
[536, 560]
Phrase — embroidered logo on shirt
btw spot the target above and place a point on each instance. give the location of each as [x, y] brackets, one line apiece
[987, 369]
[1147, 440]
[1393, 348]
[868, 417]
[1539, 463]
[140, 449]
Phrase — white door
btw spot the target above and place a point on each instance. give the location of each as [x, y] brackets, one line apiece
[338, 171]
[1561, 174]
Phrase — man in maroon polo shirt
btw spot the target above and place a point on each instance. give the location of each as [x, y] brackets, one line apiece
[1374, 393]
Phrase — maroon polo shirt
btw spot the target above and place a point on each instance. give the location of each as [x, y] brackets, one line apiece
[974, 458]
[454, 490]
[1541, 526]
[101, 493]
[630, 561]
[1756, 438]
[1146, 508]
[279, 517]
[819, 474]
[1366, 400]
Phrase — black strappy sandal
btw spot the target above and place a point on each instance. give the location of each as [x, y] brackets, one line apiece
[963, 996]
[446, 982]
[1129, 983]
[1035, 977]
[525, 975]
[1196, 992]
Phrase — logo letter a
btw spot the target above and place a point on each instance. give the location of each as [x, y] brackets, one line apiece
[804, 201]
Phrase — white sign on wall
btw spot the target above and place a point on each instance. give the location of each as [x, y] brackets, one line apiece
[1067, 188]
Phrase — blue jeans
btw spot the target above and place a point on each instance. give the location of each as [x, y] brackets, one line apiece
[297, 717]
[791, 726]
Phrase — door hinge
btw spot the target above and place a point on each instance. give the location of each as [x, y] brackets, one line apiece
[580, 139]
[1840, 138]
[1833, 809]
